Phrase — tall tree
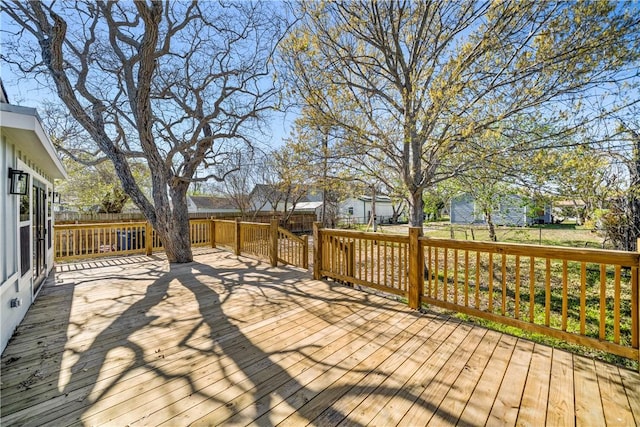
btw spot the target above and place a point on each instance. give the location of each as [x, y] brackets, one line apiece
[178, 85]
[624, 148]
[416, 82]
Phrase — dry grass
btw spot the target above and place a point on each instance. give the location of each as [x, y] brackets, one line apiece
[568, 235]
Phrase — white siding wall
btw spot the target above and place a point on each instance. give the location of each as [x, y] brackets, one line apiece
[362, 208]
[10, 285]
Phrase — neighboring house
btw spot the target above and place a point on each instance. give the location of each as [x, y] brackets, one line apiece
[357, 210]
[29, 161]
[211, 204]
[511, 210]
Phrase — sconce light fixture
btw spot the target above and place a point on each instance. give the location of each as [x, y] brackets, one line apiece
[56, 197]
[18, 182]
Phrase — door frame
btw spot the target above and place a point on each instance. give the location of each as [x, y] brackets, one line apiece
[28, 278]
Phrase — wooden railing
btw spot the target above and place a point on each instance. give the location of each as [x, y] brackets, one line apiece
[583, 296]
[264, 241]
[225, 234]
[97, 240]
[292, 249]
[255, 239]
[375, 260]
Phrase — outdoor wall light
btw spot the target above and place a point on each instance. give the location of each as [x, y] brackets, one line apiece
[56, 197]
[18, 182]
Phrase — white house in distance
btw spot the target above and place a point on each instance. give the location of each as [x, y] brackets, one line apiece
[28, 167]
[358, 209]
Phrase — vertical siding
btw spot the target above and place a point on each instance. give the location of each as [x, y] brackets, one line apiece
[513, 211]
[10, 287]
[462, 210]
[8, 214]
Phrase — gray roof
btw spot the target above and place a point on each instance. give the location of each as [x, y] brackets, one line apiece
[212, 202]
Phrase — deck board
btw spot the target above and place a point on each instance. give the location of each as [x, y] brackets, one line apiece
[561, 404]
[229, 340]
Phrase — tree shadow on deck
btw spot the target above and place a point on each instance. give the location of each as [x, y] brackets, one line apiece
[216, 331]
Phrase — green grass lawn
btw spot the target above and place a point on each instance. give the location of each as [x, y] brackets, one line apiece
[568, 235]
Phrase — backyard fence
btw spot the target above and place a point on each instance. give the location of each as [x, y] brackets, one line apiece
[266, 241]
[584, 296]
[296, 222]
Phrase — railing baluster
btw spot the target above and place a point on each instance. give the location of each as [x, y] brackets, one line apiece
[517, 287]
[393, 265]
[477, 294]
[635, 310]
[547, 293]
[436, 277]
[532, 287]
[565, 294]
[603, 301]
[466, 278]
[616, 306]
[445, 274]
[455, 276]
[504, 284]
[490, 308]
[583, 297]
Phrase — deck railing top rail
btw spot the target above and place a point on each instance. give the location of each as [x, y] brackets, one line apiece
[622, 258]
[100, 225]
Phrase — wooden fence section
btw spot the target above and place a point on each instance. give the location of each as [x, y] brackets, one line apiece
[292, 249]
[583, 296]
[374, 260]
[98, 240]
[225, 234]
[255, 239]
[265, 241]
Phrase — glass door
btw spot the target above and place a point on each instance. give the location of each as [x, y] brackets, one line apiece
[39, 227]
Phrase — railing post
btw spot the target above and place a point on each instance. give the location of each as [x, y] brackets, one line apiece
[236, 243]
[351, 258]
[273, 240]
[212, 232]
[305, 252]
[416, 268]
[148, 231]
[635, 304]
[317, 251]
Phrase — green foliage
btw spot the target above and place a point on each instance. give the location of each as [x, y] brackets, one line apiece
[97, 187]
[425, 88]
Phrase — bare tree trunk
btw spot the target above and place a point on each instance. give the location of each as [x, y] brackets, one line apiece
[172, 226]
[416, 214]
[491, 226]
[373, 209]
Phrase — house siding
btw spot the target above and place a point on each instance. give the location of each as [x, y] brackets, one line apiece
[463, 211]
[362, 209]
[512, 210]
[20, 133]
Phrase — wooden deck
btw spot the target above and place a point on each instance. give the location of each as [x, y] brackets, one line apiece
[228, 340]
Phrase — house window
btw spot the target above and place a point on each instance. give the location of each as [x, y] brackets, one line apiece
[25, 250]
[24, 207]
[350, 210]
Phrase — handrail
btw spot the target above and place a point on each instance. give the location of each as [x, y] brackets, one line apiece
[292, 249]
[627, 259]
